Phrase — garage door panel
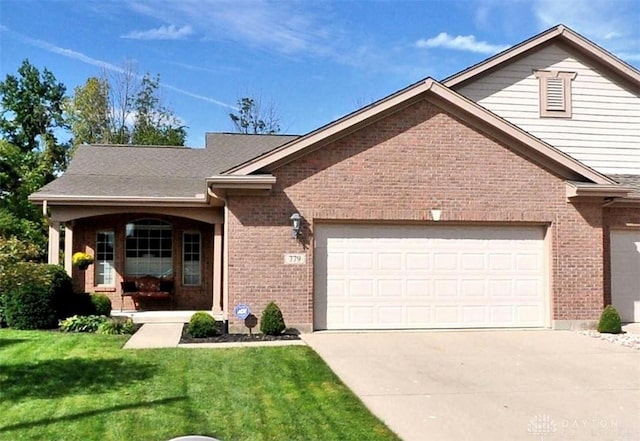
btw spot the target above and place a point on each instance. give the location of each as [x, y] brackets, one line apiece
[422, 277]
[420, 288]
[625, 274]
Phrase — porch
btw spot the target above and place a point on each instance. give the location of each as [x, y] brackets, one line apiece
[180, 247]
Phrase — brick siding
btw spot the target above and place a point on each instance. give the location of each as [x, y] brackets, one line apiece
[396, 170]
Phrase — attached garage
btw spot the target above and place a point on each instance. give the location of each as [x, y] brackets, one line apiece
[625, 274]
[402, 277]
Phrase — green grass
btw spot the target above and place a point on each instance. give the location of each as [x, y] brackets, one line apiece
[57, 386]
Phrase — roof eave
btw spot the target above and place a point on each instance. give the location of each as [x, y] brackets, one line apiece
[560, 33]
[251, 182]
[65, 199]
[582, 189]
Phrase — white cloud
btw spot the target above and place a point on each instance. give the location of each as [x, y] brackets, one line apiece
[611, 35]
[69, 53]
[460, 43]
[170, 32]
[286, 27]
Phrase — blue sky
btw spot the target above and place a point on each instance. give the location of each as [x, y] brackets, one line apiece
[314, 60]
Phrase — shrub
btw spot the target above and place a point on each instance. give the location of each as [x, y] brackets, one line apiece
[82, 323]
[202, 325]
[101, 304]
[272, 322]
[80, 304]
[114, 326]
[610, 322]
[3, 321]
[35, 295]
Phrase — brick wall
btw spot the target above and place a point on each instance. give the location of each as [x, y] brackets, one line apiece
[185, 297]
[397, 169]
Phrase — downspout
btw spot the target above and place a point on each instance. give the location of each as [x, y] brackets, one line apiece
[225, 258]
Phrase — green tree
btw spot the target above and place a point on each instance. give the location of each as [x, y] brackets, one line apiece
[30, 155]
[88, 112]
[123, 108]
[32, 108]
[253, 117]
[154, 123]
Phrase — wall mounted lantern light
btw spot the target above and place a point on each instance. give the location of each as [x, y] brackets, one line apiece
[296, 225]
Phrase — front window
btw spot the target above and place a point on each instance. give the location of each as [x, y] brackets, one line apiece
[149, 248]
[105, 252]
[191, 258]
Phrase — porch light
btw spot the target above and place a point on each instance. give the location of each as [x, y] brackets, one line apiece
[435, 214]
[296, 225]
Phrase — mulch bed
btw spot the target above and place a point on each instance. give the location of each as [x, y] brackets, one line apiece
[235, 338]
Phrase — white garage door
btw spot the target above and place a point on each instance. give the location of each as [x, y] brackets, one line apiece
[625, 273]
[402, 277]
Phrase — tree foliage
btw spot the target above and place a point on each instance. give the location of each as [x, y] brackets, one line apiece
[30, 155]
[255, 118]
[154, 123]
[88, 112]
[32, 108]
[122, 108]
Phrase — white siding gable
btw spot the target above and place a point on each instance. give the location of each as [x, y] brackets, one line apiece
[604, 130]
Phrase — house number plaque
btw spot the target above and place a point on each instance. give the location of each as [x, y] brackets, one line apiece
[295, 259]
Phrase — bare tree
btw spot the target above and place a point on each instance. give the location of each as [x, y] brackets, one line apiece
[124, 86]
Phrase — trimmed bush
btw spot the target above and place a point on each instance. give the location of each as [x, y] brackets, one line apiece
[3, 320]
[202, 325]
[610, 322]
[35, 295]
[80, 304]
[82, 323]
[272, 322]
[101, 304]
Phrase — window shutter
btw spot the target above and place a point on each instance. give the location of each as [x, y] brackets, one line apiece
[555, 94]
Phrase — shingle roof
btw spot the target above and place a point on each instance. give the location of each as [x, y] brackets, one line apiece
[155, 171]
[632, 181]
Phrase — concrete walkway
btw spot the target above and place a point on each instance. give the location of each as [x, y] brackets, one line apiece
[490, 385]
[156, 335]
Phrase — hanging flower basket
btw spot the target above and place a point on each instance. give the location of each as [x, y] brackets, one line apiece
[82, 260]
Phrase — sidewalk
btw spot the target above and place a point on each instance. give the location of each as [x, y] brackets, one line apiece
[156, 335]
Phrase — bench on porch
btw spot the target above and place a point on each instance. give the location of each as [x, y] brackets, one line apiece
[147, 287]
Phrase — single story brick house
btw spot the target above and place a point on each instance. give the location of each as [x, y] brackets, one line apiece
[507, 195]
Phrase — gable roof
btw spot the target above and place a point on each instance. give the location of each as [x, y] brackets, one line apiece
[148, 172]
[530, 146]
[559, 34]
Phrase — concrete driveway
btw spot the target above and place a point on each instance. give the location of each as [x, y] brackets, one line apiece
[490, 385]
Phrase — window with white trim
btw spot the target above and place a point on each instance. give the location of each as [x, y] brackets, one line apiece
[149, 248]
[555, 93]
[191, 257]
[105, 256]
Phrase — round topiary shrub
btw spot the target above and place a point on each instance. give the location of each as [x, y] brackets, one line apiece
[35, 295]
[202, 325]
[101, 304]
[272, 322]
[610, 322]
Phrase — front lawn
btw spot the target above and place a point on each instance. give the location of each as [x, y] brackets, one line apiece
[56, 386]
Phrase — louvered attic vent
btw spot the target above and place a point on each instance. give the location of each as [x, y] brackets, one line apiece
[555, 93]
